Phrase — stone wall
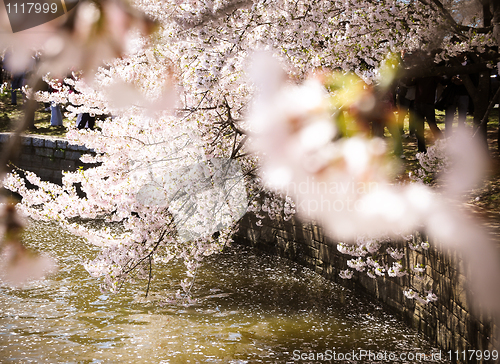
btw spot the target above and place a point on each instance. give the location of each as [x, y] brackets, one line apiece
[449, 322]
[48, 156]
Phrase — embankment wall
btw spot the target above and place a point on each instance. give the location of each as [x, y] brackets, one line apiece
[450, 322]
[47, 156]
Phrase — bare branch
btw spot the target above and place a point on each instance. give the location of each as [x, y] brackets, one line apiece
[457, 28]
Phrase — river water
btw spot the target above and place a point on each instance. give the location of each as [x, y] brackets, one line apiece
[251, 308]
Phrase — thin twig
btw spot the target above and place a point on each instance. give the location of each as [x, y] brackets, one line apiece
[160, 239]
[150, 275]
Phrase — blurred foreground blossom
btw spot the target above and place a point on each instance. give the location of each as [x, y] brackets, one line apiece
[460, 161]
[344, 183]
[89, 34]
[18, 264]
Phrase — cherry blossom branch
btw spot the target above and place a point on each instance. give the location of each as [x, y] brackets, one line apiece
[150, 254]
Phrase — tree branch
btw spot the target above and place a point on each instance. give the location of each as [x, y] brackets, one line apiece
[150, 275]
[458, 28]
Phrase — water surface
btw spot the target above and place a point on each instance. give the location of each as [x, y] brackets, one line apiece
[252, 308]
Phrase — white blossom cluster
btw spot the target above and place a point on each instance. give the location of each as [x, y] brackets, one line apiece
[432, 163]
[425, 299]
[371, 258]
[185, 100]
[4, 86]
[372, 261]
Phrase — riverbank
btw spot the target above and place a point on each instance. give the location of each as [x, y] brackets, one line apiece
[11, 114]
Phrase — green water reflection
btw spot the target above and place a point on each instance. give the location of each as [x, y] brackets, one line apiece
[251, 309]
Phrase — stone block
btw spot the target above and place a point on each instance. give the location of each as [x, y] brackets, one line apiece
[428, 329]
[49, 143]
[291, 251]
[251, 235]
[307, 236]
[74, 156]
[412, 257]
[316, 244]
[434, 274]
[445, 291]
[57, 179]
[463, 328]
[415, 321]
[59, 153]
[4, 137]
[324, 253]
[44, 152]
[368, 283]
[61, 144]
[45, 174]
[461, 291]
[283, 234]
[428, 313]
[453, 323]
[444, 337]
[51, 163]
[38, 142]
[36, 160]
[438, 266]
[26, 141]
[395, 304]
[312, 251]
[317, 233]
[330, 272]
[289, 227]
[72, 147]
[24, 161]
[281, 242]
[28, 150]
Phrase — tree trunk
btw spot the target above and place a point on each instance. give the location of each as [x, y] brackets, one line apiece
[480, 99]
[487, 14]
[480, 93]
[481, 105]
[495, 7]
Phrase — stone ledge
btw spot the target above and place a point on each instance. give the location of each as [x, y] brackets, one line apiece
[48, 156]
